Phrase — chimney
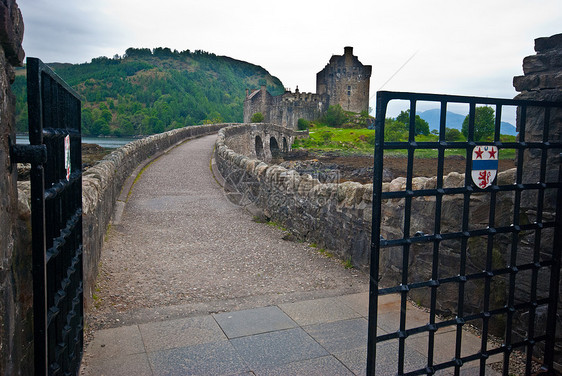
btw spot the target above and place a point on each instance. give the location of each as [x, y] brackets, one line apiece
[348, 50]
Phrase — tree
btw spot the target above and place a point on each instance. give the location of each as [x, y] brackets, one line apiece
[484, 124]
[395, 130]
[453, 134]
[421, 127]
[257, 118]
[334, 116]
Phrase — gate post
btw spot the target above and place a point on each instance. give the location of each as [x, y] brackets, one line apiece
[16, 356]
[539, 83]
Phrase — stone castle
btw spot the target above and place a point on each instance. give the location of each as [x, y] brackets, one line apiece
[344, 81]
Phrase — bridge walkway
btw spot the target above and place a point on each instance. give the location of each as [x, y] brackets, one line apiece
[191, 284]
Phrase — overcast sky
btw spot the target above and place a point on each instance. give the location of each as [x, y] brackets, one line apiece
[455, 47]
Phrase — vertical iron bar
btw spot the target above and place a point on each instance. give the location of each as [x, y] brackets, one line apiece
[437, 232]
[37, 220]
[464, 240]
[488, 279]
[489, 251]
[497, 126]
[513, 261]
[375, 234]
[406, 235]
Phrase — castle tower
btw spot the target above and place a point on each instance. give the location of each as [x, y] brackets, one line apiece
[346, 81]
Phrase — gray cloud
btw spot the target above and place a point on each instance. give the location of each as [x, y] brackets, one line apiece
[470, 48]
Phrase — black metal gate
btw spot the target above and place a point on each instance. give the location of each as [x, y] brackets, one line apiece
[540, 265]
[56, 195]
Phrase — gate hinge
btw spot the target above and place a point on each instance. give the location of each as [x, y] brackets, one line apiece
[28, 154]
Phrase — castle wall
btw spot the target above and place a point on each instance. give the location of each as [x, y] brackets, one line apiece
[285, 109]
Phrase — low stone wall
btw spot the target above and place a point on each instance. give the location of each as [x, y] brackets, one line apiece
[102, 184]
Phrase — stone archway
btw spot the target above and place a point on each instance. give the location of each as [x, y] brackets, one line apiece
[285, 146]
[259, 148]
[274, 148]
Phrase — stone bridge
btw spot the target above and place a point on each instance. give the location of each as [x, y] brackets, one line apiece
[263, 141]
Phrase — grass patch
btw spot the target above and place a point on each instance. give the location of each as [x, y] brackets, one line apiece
[276, 225]
[325, 253]
[362, 141]
[347, 263]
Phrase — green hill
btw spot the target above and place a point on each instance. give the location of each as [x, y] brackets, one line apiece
[150, 91]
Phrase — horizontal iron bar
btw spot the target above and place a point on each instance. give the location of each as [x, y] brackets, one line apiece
[396, 95]
[456, 321]
[465, 278]
[45, 68]
[444, 145]
[467, 189]
[62, 184]
[59, 132]
[384, 243]
[36, 154]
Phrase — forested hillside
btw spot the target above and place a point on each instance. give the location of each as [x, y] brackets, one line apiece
[150, 91]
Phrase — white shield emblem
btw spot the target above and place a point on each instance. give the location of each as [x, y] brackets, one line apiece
[484, 165]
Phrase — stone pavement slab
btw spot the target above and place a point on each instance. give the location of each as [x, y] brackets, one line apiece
[319, 311]
[324, 366]
[253, 321]
[357, 302]
[278, 348]
[126, 365]
[216, 358]
[180, 333]
[343, 334]
[117, 342]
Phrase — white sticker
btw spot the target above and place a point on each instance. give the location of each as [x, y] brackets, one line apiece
[67, 156]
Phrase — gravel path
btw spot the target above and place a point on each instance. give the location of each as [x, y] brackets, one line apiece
[183, 249]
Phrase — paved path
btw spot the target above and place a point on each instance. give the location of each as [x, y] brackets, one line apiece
[190, 284]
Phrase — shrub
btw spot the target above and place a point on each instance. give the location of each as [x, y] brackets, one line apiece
[257, 117]
[303, 124]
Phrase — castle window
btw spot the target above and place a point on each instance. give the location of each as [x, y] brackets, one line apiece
[349, 90]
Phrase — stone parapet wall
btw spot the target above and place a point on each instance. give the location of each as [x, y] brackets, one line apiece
[102, 185]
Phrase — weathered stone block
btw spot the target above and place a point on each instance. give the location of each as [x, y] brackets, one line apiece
[548, 43]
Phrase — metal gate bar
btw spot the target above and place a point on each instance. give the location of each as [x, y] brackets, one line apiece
[540, 224]
[56, 194]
